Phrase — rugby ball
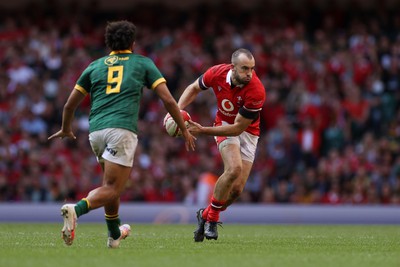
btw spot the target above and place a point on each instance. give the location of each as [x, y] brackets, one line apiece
[170, 125]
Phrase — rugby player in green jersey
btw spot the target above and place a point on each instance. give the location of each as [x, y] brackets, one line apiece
[115, 84]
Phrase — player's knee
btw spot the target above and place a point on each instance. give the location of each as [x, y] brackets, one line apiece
[234, 172]
[113, 191]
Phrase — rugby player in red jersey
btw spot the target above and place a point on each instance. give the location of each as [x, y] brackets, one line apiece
[240, 97]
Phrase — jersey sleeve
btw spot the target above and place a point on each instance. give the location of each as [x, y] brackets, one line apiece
[154, 76]
[84, 84]
[206, 80]
[255, 101]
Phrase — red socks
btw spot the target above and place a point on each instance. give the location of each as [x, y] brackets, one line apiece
[211, 213]
[205, 212]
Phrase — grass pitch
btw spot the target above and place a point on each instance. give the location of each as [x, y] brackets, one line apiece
[40, 245]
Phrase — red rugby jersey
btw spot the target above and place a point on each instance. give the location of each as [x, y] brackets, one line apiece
[230, 100]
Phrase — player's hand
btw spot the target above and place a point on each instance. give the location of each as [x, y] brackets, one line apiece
[60, 134]
[194, 127]
[189, 140]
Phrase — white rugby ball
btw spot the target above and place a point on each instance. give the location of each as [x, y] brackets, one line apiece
[170, 125]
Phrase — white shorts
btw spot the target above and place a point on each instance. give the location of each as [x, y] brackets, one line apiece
[246, 141]
[114, 144]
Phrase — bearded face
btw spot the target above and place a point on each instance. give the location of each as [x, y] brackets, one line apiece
[241, 78]
[242, 70]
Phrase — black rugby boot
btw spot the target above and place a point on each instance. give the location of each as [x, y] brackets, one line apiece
[199, 233]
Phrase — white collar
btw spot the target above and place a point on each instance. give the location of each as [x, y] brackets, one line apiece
[228, 77]
[229, 80]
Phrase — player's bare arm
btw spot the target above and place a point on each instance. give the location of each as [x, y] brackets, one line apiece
[74, 99]
[189, 94]
[235, 129]
[173, 109]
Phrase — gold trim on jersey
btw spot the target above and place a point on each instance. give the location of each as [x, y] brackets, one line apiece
[157, 82]
[80, 89]
[87, 202]
[120, 52]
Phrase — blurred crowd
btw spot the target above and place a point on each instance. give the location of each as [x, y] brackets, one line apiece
[330, 125]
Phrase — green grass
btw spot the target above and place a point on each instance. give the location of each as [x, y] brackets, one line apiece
[40, 245]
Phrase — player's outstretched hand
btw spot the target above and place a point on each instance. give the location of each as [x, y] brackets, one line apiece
[194, 127]
[60, 134]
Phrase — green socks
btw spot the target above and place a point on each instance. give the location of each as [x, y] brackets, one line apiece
[82, 207]
[113, 223]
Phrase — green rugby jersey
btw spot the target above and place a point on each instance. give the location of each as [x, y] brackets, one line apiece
[115, 85]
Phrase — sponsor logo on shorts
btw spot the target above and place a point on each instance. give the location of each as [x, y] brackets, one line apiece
[111, 151]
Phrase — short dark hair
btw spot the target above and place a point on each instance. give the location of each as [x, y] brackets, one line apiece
[120, 35]
[240, 51]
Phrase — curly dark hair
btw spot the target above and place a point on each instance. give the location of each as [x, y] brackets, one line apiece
[120, 35]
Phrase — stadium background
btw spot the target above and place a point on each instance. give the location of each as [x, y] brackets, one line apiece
[330, 126]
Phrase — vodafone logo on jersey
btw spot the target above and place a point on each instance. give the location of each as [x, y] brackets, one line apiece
[227, 105]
